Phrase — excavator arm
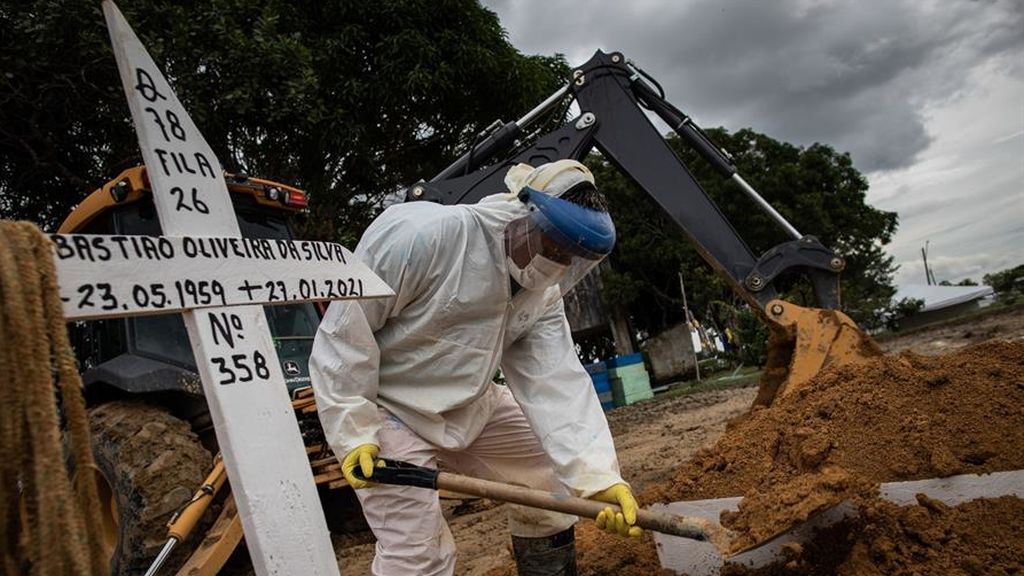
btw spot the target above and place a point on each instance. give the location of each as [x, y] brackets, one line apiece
[612, 95]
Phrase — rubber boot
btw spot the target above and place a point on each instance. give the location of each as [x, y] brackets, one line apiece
[547, 556]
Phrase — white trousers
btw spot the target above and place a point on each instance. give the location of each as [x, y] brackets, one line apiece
[412, 536]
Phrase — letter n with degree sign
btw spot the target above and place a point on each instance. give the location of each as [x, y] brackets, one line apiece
[267, 466]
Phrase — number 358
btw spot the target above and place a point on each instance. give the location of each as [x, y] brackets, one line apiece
[241, 368]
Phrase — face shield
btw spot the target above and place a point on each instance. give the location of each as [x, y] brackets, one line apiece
[558, 242]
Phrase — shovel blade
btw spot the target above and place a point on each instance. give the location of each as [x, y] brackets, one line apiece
[703, 559]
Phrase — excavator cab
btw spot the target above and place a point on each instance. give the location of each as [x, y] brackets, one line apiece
[114, 353]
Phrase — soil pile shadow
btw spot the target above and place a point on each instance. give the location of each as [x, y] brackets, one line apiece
[892, 418]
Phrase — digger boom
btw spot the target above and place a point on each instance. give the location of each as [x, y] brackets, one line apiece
[612, 95]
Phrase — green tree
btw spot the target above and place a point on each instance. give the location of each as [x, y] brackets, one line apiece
[1008, 284]
[817, 189]
[347, 99]
[1006, 280]
[905, 308]
[964, 282]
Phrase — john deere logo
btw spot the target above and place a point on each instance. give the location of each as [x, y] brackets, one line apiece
[291, 368]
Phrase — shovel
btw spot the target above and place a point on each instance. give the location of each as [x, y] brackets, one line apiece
[405, 474]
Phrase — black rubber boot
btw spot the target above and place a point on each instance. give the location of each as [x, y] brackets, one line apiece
[548, 556]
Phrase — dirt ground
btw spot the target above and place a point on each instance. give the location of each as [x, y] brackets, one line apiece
[949, 336]
[654, 439]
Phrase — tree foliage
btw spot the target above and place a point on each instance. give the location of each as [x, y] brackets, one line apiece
[347, 99]
[964, 282]
[1008, 284]
[1006, 280]
[905, 308]
[815, 188]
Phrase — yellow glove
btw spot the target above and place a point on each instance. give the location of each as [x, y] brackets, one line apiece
[621, 523]
[361, 456]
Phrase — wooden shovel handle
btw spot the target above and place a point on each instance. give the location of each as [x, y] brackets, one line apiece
[694, 528]
[401, 473]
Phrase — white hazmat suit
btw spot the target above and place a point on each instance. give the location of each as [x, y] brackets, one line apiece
[413, 374]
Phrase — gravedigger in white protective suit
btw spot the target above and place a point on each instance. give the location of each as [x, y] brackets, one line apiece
[410, 377]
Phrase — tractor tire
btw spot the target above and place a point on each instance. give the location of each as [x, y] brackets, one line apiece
[151, 464]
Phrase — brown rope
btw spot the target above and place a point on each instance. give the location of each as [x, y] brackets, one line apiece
[48, 527]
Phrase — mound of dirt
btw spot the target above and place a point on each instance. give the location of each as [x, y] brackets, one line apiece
[977, 537]
[893, 418]
[599, 553]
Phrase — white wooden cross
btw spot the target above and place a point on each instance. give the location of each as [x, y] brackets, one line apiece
[203, 268]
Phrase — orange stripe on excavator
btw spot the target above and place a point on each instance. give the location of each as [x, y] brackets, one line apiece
[136, 186]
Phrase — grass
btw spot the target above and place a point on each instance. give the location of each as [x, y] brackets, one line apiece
[724, 380]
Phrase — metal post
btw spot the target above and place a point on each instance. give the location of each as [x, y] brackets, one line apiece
[928, 276]
[686, 312]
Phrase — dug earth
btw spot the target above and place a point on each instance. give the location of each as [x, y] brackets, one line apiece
[947, 400]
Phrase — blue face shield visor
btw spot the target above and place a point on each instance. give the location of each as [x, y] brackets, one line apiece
[582, 231]
[558, 242]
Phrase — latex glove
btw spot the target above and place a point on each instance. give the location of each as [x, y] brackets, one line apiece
[621, 523]
[361, 456]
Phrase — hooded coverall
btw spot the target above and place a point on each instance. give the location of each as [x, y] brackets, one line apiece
[413, 374]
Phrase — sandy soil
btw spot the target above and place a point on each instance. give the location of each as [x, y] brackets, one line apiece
[654, 439]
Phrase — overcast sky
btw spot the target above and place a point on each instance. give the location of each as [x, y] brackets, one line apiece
[926, 96]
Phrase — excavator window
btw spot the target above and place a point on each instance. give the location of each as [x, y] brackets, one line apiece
[163, 337]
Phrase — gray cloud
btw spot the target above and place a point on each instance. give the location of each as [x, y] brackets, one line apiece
[856, 75]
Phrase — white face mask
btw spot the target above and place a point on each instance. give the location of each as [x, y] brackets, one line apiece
[540, 273]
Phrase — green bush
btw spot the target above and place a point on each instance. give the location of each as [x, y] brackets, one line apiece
[753, 335]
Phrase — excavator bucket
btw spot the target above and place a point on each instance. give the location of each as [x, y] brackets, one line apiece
[804, 341]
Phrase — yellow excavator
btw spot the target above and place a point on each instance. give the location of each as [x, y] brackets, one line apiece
[151, 430]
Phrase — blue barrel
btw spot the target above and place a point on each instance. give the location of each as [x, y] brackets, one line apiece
[627, 360]
[629, 379]
[602, 384]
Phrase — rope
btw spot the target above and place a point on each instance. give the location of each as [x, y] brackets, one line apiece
[47, 526]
